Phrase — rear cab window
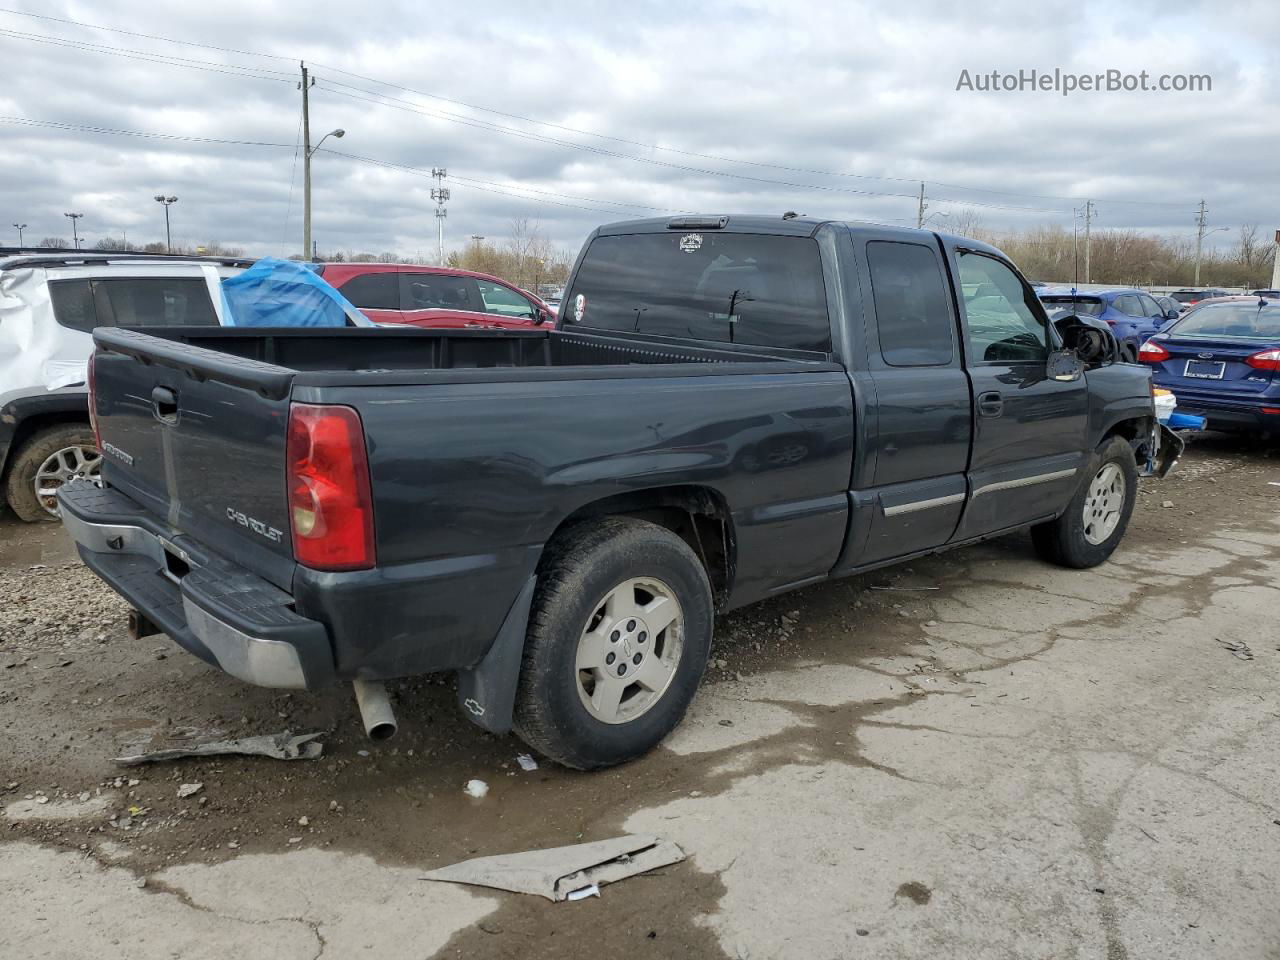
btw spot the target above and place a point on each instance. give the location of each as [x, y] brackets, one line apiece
[911, 300]
[755, 289]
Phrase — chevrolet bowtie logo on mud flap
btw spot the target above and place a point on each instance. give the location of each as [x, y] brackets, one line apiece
[475, 706]
[257, 526]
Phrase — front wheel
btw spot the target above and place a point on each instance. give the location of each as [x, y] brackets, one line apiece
[618, 640]
[1095, 521]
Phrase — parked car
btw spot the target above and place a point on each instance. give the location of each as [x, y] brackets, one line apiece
[49, 304]
[1171, 307]
[1266, 294]
[730, 408]
[1221, 361]
[1132, 314]
[435, 297]
[1189, 298]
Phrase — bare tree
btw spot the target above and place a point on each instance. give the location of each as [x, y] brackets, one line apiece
[1249, 249]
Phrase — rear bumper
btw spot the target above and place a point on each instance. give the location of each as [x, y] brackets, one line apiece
[215, 609]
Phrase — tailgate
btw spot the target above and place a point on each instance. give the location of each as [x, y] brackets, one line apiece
[198, 437]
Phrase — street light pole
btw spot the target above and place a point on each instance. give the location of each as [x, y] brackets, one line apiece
[308, 249]
[20, 227]
[168, 239]
[74, 232]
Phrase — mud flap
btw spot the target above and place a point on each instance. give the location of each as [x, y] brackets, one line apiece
[487, 691]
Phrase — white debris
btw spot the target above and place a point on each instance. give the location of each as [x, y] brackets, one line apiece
[476, 788]
[304, 822]
[526, 762]
[190, 789]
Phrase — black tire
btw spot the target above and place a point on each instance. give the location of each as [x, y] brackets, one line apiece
[580, 568]
[1063, 541]
[19, 487]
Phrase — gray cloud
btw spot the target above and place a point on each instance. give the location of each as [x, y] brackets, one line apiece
[854, 89]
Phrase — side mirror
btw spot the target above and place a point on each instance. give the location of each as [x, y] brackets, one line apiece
[1064, 366]
[1171, 315]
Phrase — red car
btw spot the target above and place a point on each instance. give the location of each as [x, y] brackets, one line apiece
[434, 296]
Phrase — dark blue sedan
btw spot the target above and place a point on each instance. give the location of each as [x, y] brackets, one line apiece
[1222, 361]
[1132, 315]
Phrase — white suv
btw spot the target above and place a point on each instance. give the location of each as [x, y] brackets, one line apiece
[49, 305]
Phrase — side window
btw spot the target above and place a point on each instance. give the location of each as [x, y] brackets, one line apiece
[440, 291]
[373, 291]
[1003, 325]
[159, 302]
[1128, 305]
[911, 305]
[504, 301]
[73, 304]
[1150, 307]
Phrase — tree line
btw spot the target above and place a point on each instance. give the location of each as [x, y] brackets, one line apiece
[1130, 258]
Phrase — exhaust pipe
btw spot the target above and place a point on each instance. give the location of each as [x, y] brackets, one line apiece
[375, 709]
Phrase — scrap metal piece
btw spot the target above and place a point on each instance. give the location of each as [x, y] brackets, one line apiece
[279, 746]
[565, 873]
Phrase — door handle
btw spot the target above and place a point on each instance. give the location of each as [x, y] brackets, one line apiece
[164, 404]
[990, 404]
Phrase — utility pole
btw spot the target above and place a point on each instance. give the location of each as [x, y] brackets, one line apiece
[440, 195]
[1200, 222]
[168, 238]
[306, 164]
[1088, 218]
[921, 208]
[1275, 266]
[308, 151]
[20, 227]
[74, 232]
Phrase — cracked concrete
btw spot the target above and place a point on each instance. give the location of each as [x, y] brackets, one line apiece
[1033, 762]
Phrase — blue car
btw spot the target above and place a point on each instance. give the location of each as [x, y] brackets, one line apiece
[1222, 362]
[1132, 315]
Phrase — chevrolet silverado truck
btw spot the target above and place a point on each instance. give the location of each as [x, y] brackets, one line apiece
[728, 408]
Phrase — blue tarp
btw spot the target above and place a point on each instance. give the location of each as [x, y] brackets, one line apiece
[285, 293]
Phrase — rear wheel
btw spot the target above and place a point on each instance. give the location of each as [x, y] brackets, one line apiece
[48, 460]
[1095, 521]
[617, 643]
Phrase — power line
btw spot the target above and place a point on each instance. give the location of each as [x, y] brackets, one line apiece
[584, 132]
[230, 69]
[88, 128]
[409, 107]
[146, 36]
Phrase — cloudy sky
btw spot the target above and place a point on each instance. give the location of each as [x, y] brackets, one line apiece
[575, 114]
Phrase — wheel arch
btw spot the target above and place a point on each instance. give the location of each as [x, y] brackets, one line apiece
[697, 514]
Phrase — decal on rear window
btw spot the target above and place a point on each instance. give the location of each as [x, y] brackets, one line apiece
[579, 307]
[691, 242]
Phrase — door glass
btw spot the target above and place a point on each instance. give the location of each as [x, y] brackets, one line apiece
[1150, 307]
[440, 291]
[160, 302]
[911, 305]
[373, 291]
[504, 301]
[1004, 325]
[1128, 305]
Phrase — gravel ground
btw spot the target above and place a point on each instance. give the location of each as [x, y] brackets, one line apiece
[842, 775]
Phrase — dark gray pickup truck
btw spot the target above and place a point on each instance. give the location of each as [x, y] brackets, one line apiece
[731, 407]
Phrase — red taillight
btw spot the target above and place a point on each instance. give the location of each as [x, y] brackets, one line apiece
[1266, 360]
[93, 403]
[1151, 352]
[330, 507]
